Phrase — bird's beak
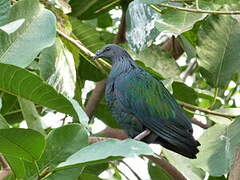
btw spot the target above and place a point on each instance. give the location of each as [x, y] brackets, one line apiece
[98, 55]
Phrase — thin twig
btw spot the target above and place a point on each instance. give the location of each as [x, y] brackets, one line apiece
[190, 106]
[193, 10]
[129, 167]
[189, 70]
[199, 123]
[235, 169]
[5, 171]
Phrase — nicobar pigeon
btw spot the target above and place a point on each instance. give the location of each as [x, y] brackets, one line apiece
[140, 102]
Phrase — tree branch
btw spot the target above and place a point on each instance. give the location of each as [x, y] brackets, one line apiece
[164, 164]
[95, 98]
[81, 47]
[5, 171]
[193, 10]
[199, 123]
[235, 169]
[190, 106]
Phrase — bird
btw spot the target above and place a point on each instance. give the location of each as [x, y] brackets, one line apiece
[143, 107]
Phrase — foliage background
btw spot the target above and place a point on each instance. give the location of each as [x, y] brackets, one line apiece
[46, 66]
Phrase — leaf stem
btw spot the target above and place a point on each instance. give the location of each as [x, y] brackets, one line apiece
[215, 96]
[193, 10]
[37, 168]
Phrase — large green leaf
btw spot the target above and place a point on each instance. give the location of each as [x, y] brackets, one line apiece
[218, 38]
[184, 165]
[58, 69]
[23, 83]
[86, 9]
[177, 22]
[89, 69]
[159, 61]
[38, 32]
[218, 146]
[140, 20]
[87, 35]
[4, 11]
[106, 150]
[22, 143]
[61, 143]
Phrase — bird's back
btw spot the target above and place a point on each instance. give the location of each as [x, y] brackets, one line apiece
[139, 101]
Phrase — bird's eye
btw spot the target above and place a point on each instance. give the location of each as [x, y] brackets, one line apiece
[107, 48]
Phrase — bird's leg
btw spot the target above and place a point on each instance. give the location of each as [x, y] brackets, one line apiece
[142, 135]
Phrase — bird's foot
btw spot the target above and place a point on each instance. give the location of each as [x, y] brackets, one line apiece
[142, 135]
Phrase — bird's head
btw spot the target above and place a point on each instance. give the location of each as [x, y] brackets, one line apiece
[110, 51]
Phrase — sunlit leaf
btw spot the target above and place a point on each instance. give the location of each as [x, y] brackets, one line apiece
[218, 146]
[20, 48]
[218, 55]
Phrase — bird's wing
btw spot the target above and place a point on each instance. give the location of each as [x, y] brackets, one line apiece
[148, 99]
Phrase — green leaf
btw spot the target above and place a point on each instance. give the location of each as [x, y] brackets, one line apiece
[184, 165]
[95, 168]
[31, 115]
[16, 165]
[61, 143]
[140, 19]
[99, 152]
[58, 69]
[22, 143]
[216, 4]
[218, 56]
[177, 22]
[218, 146]
[89, 69]
[88, 176]
[4, 11]
[12, 26]
[87, 35]
[104, 20]
[66, 174]
[38, 32]
[184, 93]
[86, 9]
[157, 173]
[3, 123]
[23, 83]
[160, 62]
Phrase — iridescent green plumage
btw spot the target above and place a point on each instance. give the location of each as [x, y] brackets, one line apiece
[139, 101]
